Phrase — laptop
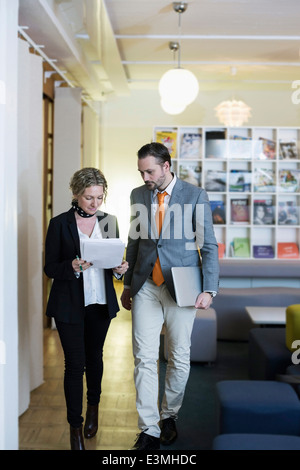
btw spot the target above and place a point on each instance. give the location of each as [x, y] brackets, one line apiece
[187, 283]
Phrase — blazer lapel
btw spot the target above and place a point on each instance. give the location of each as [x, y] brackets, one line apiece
[73, 229]
[148, 200]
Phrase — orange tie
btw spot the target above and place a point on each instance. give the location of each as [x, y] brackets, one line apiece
[157, 274]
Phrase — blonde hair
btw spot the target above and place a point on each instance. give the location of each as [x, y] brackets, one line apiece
[85, 178]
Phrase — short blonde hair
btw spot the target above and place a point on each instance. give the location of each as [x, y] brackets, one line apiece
[85, 178]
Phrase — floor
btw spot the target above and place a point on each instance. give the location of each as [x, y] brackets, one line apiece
[43, 426]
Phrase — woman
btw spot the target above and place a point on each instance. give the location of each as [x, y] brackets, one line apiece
[82, 298]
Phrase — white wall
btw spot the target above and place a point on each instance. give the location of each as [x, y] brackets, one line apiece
[127, 124]
[67, 145]
[8, 226]
[30, 219]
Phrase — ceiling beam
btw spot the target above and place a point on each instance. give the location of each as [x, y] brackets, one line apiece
[209, 37]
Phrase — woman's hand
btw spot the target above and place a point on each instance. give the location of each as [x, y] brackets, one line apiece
[122, 268]
[79, 265]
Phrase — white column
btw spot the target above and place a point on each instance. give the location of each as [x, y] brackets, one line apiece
[30, 218]
[67, 145]
[91, 140]
[8, 226]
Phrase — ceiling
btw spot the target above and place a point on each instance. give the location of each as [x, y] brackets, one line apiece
[109, 47]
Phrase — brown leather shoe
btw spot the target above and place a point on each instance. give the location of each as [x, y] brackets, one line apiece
[76, 438]
[91, 421]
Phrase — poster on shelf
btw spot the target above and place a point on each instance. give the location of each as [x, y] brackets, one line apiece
[289, 180]
[264, 180]
[169, 139]
[263, 212]
[218, 212]
[215, 180]
[191, 146]
[288, 150]
[239, 211]
[240, 180]
[288, 213]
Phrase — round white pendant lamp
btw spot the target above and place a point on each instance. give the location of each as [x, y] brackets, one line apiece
[177, 87]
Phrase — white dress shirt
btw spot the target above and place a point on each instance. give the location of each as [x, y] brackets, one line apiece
[93, 278]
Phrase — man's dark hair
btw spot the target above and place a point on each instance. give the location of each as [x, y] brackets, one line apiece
[157, 150]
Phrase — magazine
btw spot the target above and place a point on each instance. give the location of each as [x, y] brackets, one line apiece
[263, 251]
[287, 250]
[240, 147]
[263, 212]
[240, 180]
[289, 180]
[169, 139]
[241, 247]
[288, 150]
[191, 173]
[215, 180]
[264, 180]
[239, 211]
[218, 212]
[265, 149]
[191, 145]
[288, 213]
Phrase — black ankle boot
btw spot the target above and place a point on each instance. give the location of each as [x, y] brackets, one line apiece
[76, 438]
[91, 421]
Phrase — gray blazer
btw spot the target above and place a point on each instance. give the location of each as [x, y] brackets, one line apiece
[187, 225]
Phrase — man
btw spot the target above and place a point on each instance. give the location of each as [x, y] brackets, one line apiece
[156, 243]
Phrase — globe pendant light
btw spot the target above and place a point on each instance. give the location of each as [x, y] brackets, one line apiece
[233, 113]
[177, 87]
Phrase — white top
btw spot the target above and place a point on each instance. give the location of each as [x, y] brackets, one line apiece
[93, 278]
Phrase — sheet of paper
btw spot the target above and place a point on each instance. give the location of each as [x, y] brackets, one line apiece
[103, 253]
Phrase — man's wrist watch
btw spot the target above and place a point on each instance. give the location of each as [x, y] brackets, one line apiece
[212, 293]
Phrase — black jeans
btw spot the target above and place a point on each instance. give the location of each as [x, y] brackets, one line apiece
[83, 350]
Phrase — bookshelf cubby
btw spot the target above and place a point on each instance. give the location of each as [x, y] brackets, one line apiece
[252, 177]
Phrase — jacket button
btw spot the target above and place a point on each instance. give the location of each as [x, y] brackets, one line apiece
[158, 246]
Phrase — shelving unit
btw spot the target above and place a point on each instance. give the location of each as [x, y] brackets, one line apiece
[252, 177]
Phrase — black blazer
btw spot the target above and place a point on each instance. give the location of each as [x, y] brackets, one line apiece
[66, 299]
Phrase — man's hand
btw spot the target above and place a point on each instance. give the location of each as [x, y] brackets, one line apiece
[126, 299]
[203, 301]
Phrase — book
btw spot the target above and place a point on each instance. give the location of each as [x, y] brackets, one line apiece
[288, 213]
[215, 180]
[263, 251]
[263, 212]
[221, 250]
[289, 180]
[218, 212]
[191, 173]
[288, 150]
[241, 247]
[239, 211]
[265, 149]
[287, 250]
[169, 139]
[240, 180]
[191, 145]
[264, 180]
